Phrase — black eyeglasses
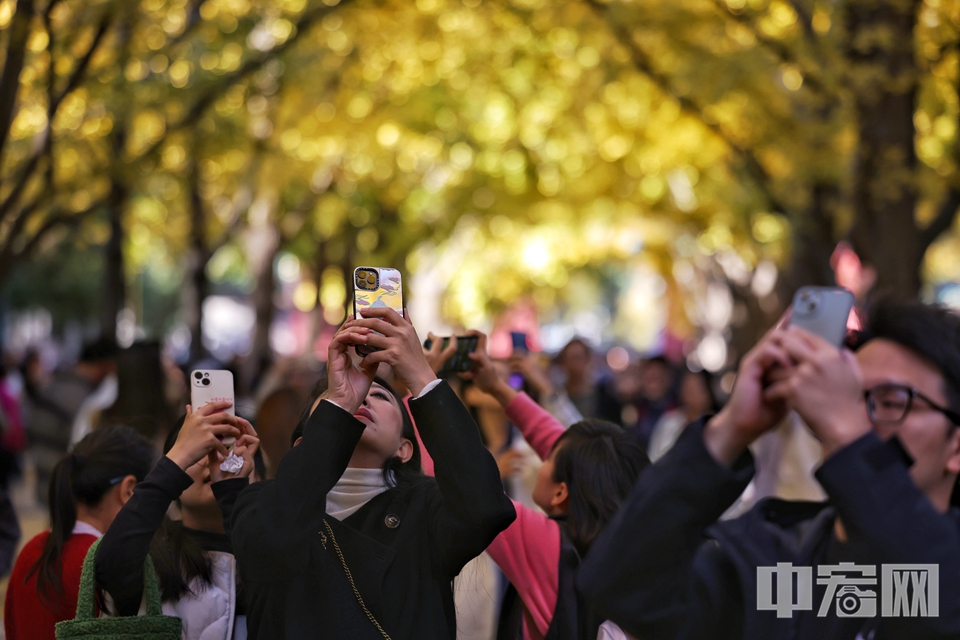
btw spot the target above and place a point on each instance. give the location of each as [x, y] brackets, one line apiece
[891, 404]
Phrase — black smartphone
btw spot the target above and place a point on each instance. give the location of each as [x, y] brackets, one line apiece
[459, 361]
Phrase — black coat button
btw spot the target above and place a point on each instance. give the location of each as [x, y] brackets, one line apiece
[392, 521]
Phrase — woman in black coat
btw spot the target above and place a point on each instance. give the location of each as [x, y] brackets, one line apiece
[351, 540]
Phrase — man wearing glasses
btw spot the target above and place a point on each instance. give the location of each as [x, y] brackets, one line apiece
[879, 560]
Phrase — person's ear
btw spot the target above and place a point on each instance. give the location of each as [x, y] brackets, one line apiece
[560, 500]
[953, 447]
[126, 488]
[297, 441]
[405, 452]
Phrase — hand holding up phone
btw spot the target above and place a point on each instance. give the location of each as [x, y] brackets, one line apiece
[202, 432]
[245, 448]
[398, 345]
[485, 375]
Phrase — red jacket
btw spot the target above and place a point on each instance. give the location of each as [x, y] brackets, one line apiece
[24, 616]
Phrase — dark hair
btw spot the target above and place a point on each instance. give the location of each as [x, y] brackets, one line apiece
[177, 557]
[577, 341]
[707, 378]
[98, 462]
[930, 331]
[600, 463]
[102, 349]
[140, 402]
[660, 360]
[395, 472]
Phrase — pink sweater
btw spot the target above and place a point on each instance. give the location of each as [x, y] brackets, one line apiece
[528, 551]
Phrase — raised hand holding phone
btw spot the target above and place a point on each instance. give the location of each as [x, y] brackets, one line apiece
[347, 383]
[397, 344]
[202, 432]
[245, 448]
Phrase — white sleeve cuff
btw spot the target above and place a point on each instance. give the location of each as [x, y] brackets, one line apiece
[430, 386]
[333, 403]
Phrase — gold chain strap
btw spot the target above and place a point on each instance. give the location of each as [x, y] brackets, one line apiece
[346, 570]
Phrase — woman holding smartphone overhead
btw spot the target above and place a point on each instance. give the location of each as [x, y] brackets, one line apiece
[194, 562]
[351, 540]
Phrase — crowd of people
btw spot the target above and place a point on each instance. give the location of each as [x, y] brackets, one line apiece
[528, 497]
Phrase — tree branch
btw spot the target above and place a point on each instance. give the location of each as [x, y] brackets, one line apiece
[643, 64]
[58, 218]
[943, 220]
[251, 65]
[784, 53]
[72, 83]
[13, 65]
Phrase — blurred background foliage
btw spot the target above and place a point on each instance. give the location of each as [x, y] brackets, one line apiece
[682, 164]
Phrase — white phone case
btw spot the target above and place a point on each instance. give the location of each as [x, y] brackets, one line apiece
[212, 385]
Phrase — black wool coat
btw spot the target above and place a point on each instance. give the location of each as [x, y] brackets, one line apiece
[403, 548]
[665, 569]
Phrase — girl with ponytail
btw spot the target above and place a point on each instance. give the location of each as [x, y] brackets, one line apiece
[87, 490]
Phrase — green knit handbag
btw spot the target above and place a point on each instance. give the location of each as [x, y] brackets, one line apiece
[86, 626]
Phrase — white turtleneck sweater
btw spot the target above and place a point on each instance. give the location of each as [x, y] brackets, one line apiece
[357, 487]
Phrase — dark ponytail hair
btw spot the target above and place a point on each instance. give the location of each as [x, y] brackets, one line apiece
[600, 463]
[98, 462]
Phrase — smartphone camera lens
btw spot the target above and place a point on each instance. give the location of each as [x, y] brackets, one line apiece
[206, 382]
[197, 375]
[808, 303]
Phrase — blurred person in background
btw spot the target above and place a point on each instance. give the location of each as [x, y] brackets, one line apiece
[141, 401]
[88, 488]
[696, 398]
[593, 398]
[657, 379]
[552, 398]
[276, 419]
[54, 406]
[13, 439]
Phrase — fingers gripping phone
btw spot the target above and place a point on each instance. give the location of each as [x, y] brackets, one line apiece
[213, 385]
[459, 361]
[376, 287]
[823, 311]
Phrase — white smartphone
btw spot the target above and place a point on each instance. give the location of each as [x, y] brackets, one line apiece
[213, 385]
[823, 311]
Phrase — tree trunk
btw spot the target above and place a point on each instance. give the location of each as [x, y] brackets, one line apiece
[114, 285]
[262, 298]
[814, 241]
[320, 265]
[885, 234]
[197, 284]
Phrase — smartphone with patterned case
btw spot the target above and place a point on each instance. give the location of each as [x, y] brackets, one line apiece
[373, 288]
[213, 385]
